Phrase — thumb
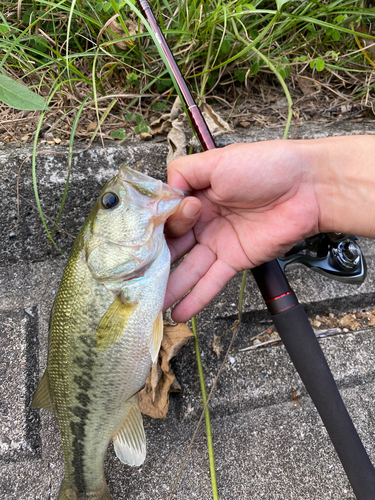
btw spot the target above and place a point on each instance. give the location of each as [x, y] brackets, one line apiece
[184, 218]
[194, 171]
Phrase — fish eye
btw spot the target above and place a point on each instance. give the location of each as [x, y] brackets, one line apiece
[110, 200]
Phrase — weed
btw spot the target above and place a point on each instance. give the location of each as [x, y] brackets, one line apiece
[103, 47]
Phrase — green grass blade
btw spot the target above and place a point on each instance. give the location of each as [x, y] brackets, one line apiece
[70, 159]
[35, 182]
[211, 456]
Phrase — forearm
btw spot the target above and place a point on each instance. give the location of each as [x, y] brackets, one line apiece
[343, 175]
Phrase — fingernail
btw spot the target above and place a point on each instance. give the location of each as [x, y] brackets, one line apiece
[190, 210]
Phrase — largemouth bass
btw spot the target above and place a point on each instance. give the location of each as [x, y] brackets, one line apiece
[105, 330]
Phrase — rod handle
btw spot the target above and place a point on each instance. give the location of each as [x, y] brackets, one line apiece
[304, 349]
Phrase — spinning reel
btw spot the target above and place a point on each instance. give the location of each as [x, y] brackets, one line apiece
[334, 255]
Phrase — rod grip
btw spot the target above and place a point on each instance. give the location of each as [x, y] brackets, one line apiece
[304, 349]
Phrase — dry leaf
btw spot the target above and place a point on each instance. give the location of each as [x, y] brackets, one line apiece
[215, 123]
[176, 124]
[177, 141]
[91, 126]
[217, 347]
[177, 137]
[153, 400]
[174, 337]
[177, 109]
[162, 125]
[117, 29]
[307, 85]
[155, 374]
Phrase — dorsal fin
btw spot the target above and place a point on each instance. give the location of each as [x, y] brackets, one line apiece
[130, 441]
[42, 398]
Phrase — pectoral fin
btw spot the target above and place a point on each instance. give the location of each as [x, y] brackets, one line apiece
[112, 324]
[42, 398]
[156, 337]
[130, 441]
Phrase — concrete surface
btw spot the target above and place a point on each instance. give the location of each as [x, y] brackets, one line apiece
[267, 445]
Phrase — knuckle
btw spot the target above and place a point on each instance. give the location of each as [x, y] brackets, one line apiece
[171, 297]
[197, 300]
[189, 268]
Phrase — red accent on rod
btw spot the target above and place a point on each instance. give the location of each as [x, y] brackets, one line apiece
[279, 297]
[283, 309]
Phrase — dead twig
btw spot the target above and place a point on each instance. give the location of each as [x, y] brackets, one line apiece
[320, 334]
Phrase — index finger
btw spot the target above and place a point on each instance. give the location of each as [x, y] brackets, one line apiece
[193, 171]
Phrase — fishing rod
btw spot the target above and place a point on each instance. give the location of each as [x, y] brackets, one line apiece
[337, 256]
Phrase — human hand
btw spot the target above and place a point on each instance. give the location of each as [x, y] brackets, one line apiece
[258, 200]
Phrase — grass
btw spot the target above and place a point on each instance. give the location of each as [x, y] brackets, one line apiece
[73, 49]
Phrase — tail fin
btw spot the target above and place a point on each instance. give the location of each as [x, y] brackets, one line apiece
[69, 493]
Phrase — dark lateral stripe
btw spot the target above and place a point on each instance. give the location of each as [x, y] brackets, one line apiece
[78, 431]
[81, 412]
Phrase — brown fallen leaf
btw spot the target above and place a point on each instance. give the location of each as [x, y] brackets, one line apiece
[153, 399]
[215, 122]
[176, 124]
[177, 141]
[307, 85]
[217, 347]
[131, 26]
[162, 125]
[91, 126]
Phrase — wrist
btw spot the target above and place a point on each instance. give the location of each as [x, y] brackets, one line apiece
[342, 171]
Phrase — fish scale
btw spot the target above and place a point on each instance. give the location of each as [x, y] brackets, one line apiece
[105, 330]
